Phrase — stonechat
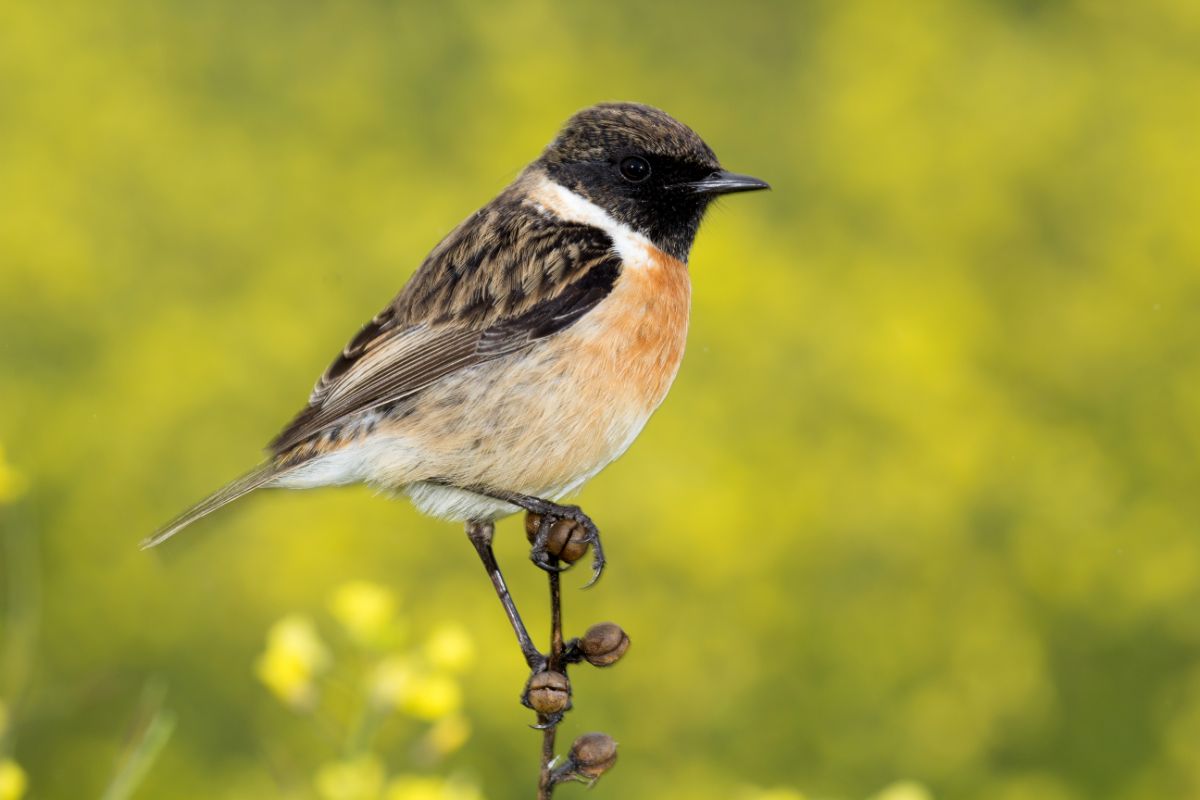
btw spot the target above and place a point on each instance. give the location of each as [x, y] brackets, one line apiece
[530, 347]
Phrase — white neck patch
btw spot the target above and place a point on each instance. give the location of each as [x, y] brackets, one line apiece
[552, 197]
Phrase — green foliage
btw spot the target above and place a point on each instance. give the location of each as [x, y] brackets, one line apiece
[152, 731]
[921, 506]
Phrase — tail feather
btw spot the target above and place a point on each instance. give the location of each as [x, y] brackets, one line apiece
[241, 487]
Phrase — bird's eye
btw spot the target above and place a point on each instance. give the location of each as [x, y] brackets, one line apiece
[635, 169]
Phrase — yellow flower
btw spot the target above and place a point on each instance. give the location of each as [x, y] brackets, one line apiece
[12, 483]
[904, 790]
[431, 696]
[367, 612]
[411, 787]
[449, 734]
[398, 681]
[450, 648]
[295, 654]
[355, 779]
[12, 780]
[416, 787]
[391, 679]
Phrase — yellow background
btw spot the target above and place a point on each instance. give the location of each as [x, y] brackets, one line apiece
[921, 506]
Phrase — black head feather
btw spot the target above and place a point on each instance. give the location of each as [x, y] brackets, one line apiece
[596, 155]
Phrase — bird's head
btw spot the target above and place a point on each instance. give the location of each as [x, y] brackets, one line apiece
[645, 168]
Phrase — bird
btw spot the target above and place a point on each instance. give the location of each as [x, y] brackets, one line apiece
[529, 348]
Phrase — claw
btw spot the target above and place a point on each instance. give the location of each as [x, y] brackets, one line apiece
[543, 525]
[540, 554]
[596, 572]
[598, 559]
[550, 721]
[547, 562]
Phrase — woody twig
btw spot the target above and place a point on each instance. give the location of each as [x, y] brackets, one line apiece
[549, 691]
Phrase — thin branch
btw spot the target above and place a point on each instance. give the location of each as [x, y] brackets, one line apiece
[545, 781]
[548, 690]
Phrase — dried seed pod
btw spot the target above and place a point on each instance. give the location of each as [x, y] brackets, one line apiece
[548, 692]
[604, 644]
[568, 539]
[593, 754]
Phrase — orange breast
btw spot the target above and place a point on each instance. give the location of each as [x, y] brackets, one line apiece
[637, 337]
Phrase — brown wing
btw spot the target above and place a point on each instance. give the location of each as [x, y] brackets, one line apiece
[505, 278]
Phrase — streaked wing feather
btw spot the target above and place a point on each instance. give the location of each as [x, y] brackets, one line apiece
[410, 361]
[371, 335]
[478, 316]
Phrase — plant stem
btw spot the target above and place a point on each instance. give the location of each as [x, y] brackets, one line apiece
[545, 781]
[545, 784]
[153, 728]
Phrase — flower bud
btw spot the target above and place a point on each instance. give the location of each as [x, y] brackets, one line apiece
[593, 754]
[568, 539]
[604, 644]
[548, 692]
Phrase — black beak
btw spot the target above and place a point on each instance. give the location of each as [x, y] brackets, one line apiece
[722, 182]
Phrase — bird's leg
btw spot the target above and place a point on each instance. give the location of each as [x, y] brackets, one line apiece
[480, 534]
[551, 513]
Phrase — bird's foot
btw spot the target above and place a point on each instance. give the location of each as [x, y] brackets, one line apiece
[563, 533]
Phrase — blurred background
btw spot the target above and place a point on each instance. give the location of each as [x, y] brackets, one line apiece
[918, 520]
